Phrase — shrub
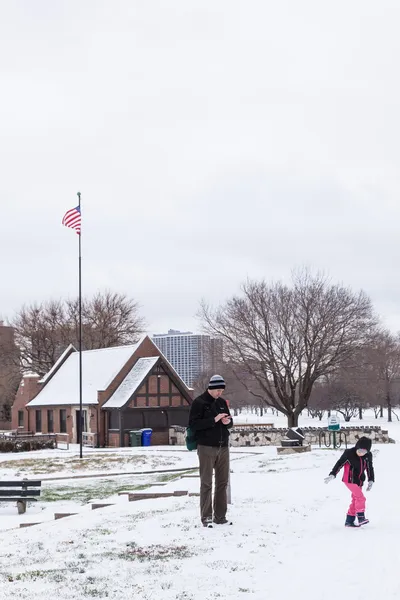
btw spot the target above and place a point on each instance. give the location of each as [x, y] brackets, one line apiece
[26, 445]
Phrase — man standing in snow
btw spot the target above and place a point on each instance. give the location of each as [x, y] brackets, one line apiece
[210, 420]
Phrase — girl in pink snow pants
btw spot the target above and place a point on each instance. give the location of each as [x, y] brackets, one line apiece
[356, 462]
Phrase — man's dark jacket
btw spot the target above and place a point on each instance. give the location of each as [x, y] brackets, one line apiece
[202, 415]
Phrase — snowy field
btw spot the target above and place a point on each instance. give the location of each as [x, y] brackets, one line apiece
[287, 537]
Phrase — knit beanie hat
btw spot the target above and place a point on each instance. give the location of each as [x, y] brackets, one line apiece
[364, 443]
[216, 383]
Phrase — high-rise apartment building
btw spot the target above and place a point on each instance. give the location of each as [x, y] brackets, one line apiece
[189, 353]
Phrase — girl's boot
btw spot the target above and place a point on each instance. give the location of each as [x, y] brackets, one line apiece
[350, 521]
[361, 519]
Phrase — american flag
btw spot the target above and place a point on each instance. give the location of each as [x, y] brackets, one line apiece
[72, 219]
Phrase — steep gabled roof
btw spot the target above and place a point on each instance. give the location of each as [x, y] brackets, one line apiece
[99, 368]
[67, 352]
[132, 382]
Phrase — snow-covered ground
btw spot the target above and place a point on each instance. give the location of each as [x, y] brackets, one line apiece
[287, 537]
[52, 464]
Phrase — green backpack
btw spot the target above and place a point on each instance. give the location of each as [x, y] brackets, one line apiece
[191, 443]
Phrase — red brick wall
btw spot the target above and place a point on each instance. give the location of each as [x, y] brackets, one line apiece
[174, 389]
[27, 390]
[113, 439]
[56, 417]
[159, 438]
[177, 400]
[153, 384]
[164, 384]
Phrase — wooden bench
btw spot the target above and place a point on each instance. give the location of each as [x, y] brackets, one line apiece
[20, 492]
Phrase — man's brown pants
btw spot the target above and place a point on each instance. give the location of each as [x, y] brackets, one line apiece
[213, 459]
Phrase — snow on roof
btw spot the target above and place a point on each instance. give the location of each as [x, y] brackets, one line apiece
[99, 367]
[132, 382]
[68, 350]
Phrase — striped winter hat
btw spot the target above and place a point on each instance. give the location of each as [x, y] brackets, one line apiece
[216, 383]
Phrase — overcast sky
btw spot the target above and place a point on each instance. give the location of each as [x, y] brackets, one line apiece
[212, 140]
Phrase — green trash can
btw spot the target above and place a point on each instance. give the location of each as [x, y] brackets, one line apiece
[135, 437]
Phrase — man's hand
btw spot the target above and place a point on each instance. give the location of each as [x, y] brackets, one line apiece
[220, 416]
[226, 420]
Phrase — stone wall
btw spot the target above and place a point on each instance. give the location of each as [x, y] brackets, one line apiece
[270, 436]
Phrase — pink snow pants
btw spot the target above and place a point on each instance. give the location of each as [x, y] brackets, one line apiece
[357, 504]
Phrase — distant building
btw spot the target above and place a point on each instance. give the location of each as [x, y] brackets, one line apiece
[190, 354]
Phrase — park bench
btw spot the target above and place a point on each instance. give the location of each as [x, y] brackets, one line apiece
[20, 492]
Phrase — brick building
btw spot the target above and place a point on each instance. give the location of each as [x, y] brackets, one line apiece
[124, 388]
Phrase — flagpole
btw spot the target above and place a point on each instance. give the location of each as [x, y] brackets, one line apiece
[80, 337]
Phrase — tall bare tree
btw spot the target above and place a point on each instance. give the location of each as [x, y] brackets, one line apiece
[288, 337]
[386, 362]
[10, 372]
[43, 331]
[237, 391]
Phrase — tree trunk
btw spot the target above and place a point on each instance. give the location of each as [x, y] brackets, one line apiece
[389, 407]
[381, 411]
[360, 413]
[293, 420]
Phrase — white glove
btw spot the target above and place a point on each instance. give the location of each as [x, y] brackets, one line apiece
[369, 486]
[328, 479]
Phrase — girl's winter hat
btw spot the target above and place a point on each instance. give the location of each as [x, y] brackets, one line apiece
[364, 443]
[216, 383]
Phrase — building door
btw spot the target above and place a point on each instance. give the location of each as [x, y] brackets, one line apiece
[81, 424]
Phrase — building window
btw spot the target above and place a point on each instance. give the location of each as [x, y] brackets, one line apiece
[63, 420]
[50, 421]
[20, 418]
[38, 421]
[113, 419]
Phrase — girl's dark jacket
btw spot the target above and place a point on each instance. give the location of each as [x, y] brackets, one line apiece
[355, 466]
[207, 432]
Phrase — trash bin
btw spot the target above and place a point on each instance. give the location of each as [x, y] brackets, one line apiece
[135, 437]
[295, 433]
[146, 437]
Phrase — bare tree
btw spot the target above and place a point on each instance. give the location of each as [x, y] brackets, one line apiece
[287, 338]
[319, 402]
[43, 331]
[236, 392]
[386, 362]
[10, 373]
[343, 396]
